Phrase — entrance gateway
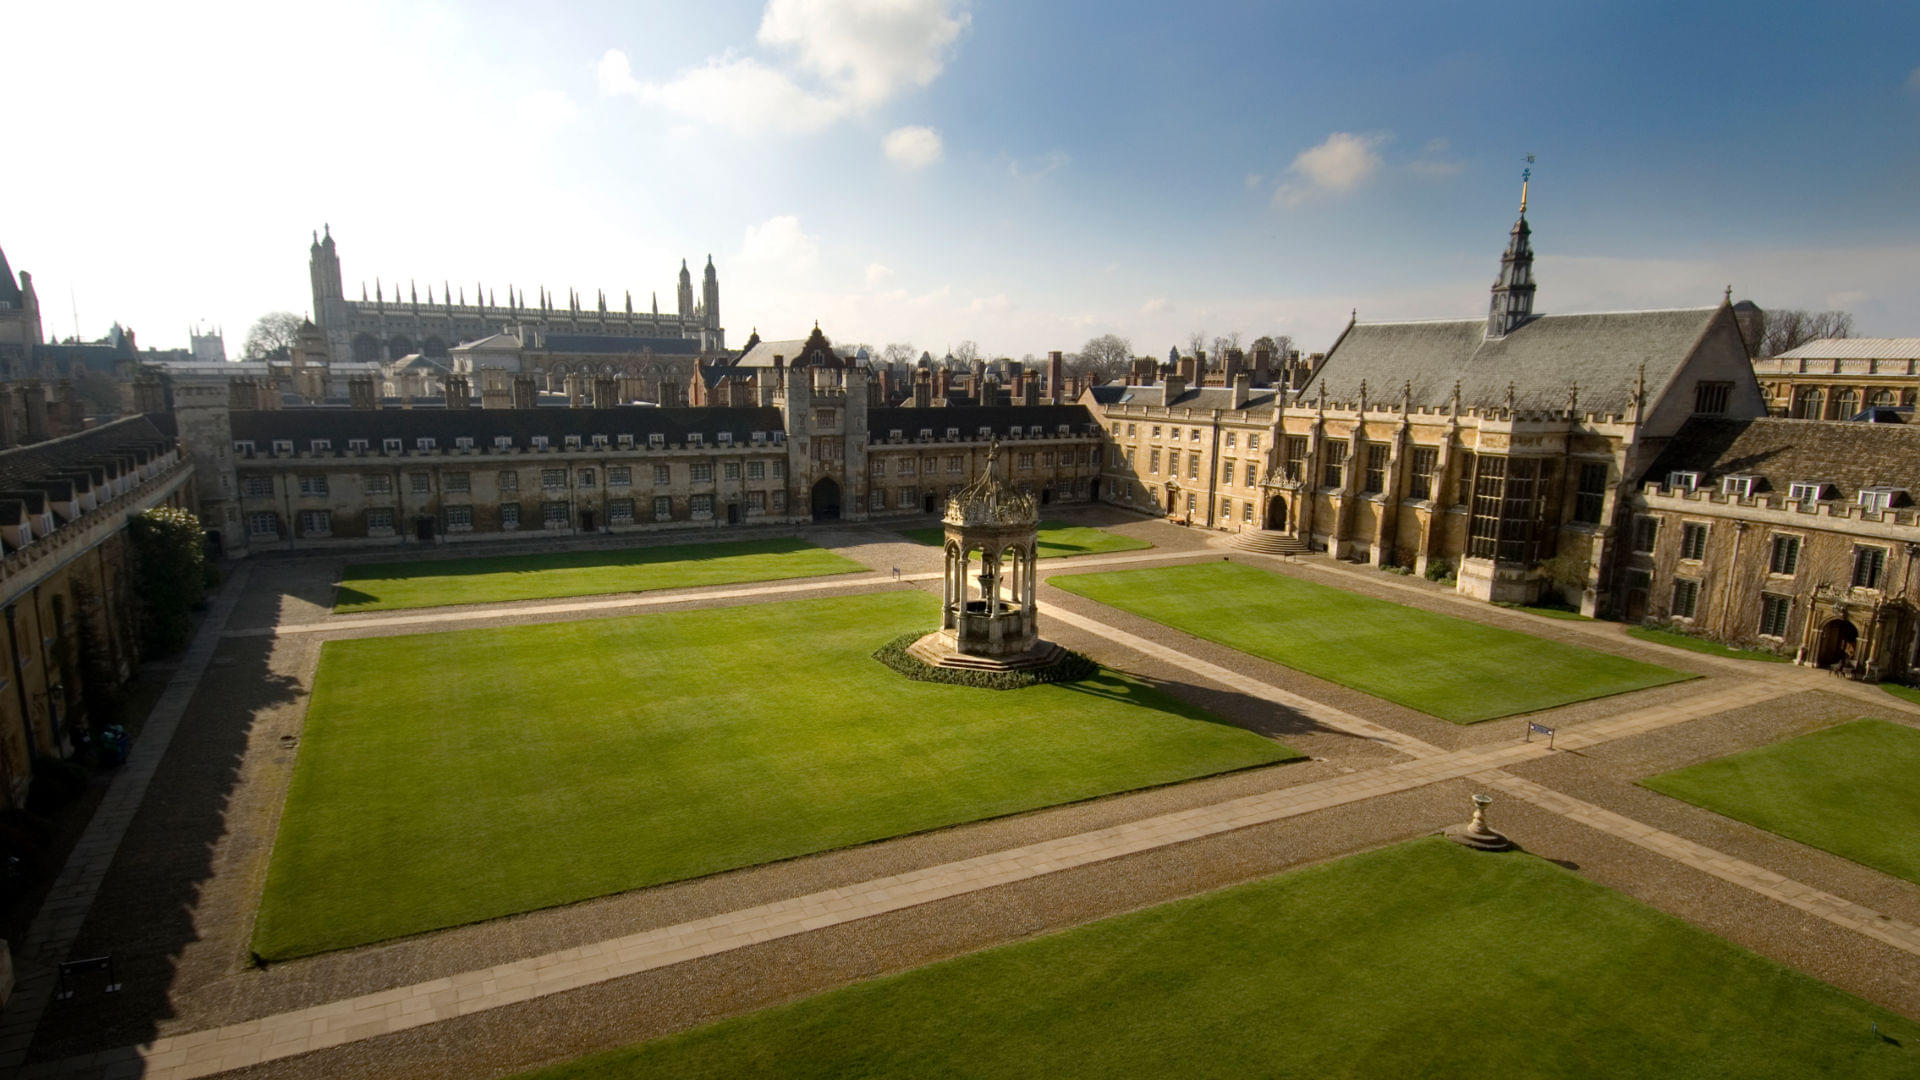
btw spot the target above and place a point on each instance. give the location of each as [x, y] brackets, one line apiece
[826, 500]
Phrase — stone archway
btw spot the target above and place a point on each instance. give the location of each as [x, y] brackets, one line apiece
[1277, 512]
[1834, 639]
[826, 500]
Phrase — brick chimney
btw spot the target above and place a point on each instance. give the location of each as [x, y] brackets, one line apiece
[362, 392]
[1175, 385]
[524, 395]
[1262, 366]
[922, 389]
[1056, 389]
[1191, 366]
[1242, 388]
[459, 393]
[606, 392]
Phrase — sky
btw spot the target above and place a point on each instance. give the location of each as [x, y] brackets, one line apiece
[1022, 175]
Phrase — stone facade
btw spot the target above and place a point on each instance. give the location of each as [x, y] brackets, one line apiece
[1836, 378]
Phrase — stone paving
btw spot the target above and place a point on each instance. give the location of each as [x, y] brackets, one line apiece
[330, 1027]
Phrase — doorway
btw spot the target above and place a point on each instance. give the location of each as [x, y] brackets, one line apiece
[586, 521]
[1836, 639]
[1277, 513]
[928, 503]
[733, 513]
[423, 528]
[826, 500]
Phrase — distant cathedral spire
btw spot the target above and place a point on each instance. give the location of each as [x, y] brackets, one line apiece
[1512, 302]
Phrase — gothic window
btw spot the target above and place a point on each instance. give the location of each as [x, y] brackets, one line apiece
[1711, 397]
[398, 346]
[1774, 611]
[1426, 461]
[1809, 404]
[1334, 472]
[434, 347]
[1646, 531]
[1686, 598]
[1869, 563]
[366, 349]
[1591, 497]
[1376, 478]
[1786, 555]
[1846, 402]
[1296, 457]
[1693, 541]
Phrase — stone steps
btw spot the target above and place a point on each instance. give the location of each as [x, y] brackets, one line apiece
[1270, 542]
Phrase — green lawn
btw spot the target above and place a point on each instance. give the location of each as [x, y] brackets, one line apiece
[1847, 789]
[449, 778]
[1904, 693]
[1451, 668]
[1419, 960]
[1701, 645]
[492, 578]
[1056, 539]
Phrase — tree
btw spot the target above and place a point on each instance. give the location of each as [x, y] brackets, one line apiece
[900, 353]
[273, 336]
[1222, 345]
[1278, 344]
[1196, 342]
[1791, 328]
[169, 564]
[966, 352]
[1106, 358]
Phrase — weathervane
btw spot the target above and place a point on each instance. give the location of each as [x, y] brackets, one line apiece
[1525, 175]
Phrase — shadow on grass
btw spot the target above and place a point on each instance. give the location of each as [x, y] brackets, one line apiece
[593, 558]
[145, 913]
[1210, 704]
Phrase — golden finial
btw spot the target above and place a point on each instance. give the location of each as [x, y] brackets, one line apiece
[1525, 175]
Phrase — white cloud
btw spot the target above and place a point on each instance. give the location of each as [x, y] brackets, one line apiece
[1040, 167]
[913, 147]
[1339, 165]
[546, 108]
[996, 302]
[779, 242]
[868, 50]
[614, 74]
[853, 55]
[1156, 306]
[877, 273]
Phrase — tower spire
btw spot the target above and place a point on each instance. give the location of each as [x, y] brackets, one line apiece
[1512, 302]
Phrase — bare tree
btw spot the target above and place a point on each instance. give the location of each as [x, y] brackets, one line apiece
[966, 352]
[1196, 342]
[1222, 344]
[1278, 344]
[273, 336]
[1106, 357]
[900, 352]
[1791, 328]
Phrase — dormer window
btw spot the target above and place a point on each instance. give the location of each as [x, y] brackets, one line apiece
[953, 433]
[390, 446]
[1683, 481]
[625, 442]
[656, 442]
[424, 443]
[895, 434]
[1013, 431]
[1740, 487]
[573, 442]
[599, 442]
[320, 446]
[725, 438]
[243, 447]
[539, 442]
[694, 438]
[1805, 491]
[463, 442]
[757, 438]
[1065, 429]
[358, 446]
[1882, 498]
[283, 446]
[986, 432]
[503, 442]
[926, 434]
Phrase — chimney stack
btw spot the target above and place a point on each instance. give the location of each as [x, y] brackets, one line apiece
[459, 392]
[1190, 367]
[1262, 366]
[606, 392]
[1242, 389]
[922, 389]
[1175, 386]
[1055, 369]
[524, 395]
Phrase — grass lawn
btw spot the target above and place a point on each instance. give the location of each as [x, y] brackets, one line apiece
[492, 578]
[1419, 960]
[1904, 693]
[1699, 645]
[449, 778]
[1847, 789]
[1446, 667]
[1547, 612]
[1057, 538]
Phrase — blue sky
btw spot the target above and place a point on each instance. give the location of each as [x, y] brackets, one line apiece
[1023, 175]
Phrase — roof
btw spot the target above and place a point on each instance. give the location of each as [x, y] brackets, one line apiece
[762, 353]
[9, 288]
[484, 425]
[971, 418]
[22, 465]
[492, 341]
[614, 343]
[1204, 398]
[1849, 455]
[1862, 348]
[1542, 359]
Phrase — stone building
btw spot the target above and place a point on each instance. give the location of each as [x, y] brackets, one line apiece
[1498, 445]
[1798, 536]
[66, 604]
[383, 327]
[1837, 378]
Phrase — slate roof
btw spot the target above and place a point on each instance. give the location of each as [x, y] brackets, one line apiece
[482, 425]
[1201, 398]
[1865, 348]
[971, 418]
[618, 344]
[9, 286]
[1848, 455]
[22, 466]
[762, 354]
[1541, 358]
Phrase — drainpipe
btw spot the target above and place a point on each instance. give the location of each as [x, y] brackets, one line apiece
[1213, 472]
[1733, 566]
[20, 686]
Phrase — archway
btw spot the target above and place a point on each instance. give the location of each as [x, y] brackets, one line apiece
[928, 503]
[1093, 490]
[1836, 637]
[1277, 513]
[826, 500]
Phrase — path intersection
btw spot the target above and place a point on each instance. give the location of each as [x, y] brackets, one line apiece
[168, 875]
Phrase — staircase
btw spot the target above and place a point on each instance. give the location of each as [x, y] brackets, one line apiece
[1270, 542]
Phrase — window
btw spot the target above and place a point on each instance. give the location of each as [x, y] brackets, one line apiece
[377, 484]
[876, 499]
[1810, 403]
[359, 446]
[1193, 434]
[1129, 431]
[662, 475]
[1129, 456]
[695, 438]
[620, 476]
[263, 523]
[538, 442]
[459, 483]
[1024, 462]
[553, 479]
[463, 442]
[1156, 431]
[256, 484]
[313, 484]
[1153, 461]
[779, 470]
[619, 511]
[1693, 541]
[283, 446]
[906, 467]
[1231, 437]
[877, 467]
[1193, 465]
[1463, 490]
[954, 432]
[906, 499]
[1376, 478]
[1246, 511]
[510, 515]
[421, 483]
[1711, 397]
[1228, 469]
[1046, 459]
[656, 442]
[1253, 474]
[756, 470]
[380, 519]
[389, 446]
[509, 481]
[599, 442]
[1646, 531]
[316, 523]
[725, 438]
[320, 446]
[1869, 563]
[824, 417]
[1296, 458]
[243, 447]
[1882, 498]
[459, 519]
[1773, 615]
[625, 442]
[503, 442]
[553, 515]
[1591, 496]
[1786, 555]
[756, 502]
[956, 463]
[1172, 433]
[586, 478]
[1686, 596]
[1683, 481]
[1334, 472]
[1805, 491]
[662, 508]
[572, 442]
[702, 506]
[1740, 487]
[424, 443]
[1190, 503]
[701, 472]
[779, 500]
[1846, 402]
